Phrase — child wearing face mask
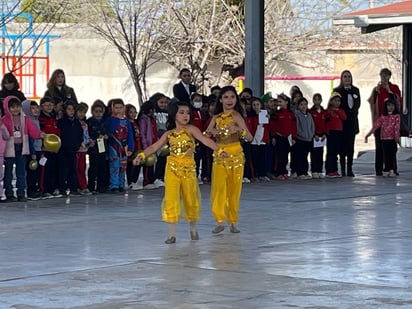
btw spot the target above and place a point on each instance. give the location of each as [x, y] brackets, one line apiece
[198, 119]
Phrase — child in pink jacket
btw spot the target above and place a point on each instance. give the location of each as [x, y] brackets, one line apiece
[4, 137]
[19, 127]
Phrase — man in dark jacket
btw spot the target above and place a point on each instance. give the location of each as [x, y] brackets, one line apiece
[184, 88]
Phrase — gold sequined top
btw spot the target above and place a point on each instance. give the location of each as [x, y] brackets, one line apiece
[181, 143]
[223, 122]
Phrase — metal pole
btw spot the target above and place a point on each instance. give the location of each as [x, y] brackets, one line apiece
[407, 69]
[254, 46]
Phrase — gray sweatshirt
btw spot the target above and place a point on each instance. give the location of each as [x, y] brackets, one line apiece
[306, 127]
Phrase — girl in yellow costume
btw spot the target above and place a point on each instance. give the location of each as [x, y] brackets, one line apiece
[180, 176]
[227, 126]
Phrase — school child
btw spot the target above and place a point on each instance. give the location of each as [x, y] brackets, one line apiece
[148, 132]
[71, 135]
[32, 111]
[260, 133]
[132, 170]
[97, 173]
[181, 186]
[270, 147]
[49, 179]
[160, 102]
[227, 126]
[284, 130]
[389, 123]
[121, 145]
[81, 111]
[20, 128]
[58, 107]
[304, 137]
[319, 118]
[198, 120]
[334, 126]
[5, 136]
[209, 152]
[248, 172]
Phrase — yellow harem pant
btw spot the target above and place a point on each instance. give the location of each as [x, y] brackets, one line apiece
[181, 186]
[227, 176]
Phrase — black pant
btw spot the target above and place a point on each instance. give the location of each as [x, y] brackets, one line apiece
[248, 168]
[67, 171]
[389, 154]
[200, 159]
[259, 159]
[316, 159]
[270, 158]
[378, 153]
[148, 175]
[160, 168]
[282, 149]
[33, 176]
[49, 174]
[333, 150]
[301, 150]
[98, 173]
[348, 150]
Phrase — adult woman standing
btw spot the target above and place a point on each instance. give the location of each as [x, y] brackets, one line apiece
[57, 88]
[227, 126]
[350, 103]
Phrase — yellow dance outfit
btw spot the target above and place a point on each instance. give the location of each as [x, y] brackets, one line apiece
[227, 173]
[181, 184]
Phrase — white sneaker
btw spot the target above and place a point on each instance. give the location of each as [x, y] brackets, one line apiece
[245, 180]
[315, 175]
[158, 183]
[305, 177]
[136, 186]
[391, 174]
[294, 175]
[150, 186]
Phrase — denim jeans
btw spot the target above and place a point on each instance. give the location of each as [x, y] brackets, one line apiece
[20, 161]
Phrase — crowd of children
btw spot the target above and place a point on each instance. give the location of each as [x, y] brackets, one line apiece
[285, 134]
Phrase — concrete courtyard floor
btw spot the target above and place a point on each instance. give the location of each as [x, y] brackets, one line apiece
[328, 243]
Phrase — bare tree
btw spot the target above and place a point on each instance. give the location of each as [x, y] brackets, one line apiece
[132, 27]
[212, 31]
[195, 36]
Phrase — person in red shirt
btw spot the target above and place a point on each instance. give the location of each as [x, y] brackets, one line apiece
[334, 127]
[284, 130]
[49, 171]
[379, 94]
[319, 118]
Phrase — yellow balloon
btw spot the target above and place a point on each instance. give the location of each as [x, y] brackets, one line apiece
[33, 165]
[150, 160]
[164, 151]
[52, 143]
